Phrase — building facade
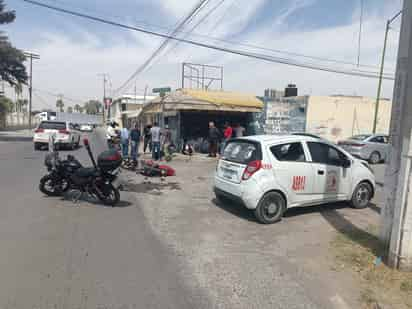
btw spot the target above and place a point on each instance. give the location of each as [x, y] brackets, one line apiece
[333, 117]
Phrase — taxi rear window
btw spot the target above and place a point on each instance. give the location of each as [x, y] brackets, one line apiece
[242, 151]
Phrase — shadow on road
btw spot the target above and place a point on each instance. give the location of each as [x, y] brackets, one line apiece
[235, 209]
[352, 232]
[375, 208]
[14, 138]
[300, 211]
[71, 195]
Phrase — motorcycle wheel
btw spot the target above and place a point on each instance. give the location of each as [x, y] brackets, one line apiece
[49, 187]
[108, 195]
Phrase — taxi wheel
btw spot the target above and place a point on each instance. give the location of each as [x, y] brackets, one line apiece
[361, 196]
[270, 208]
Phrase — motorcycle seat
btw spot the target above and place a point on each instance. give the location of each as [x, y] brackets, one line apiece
[86, 172]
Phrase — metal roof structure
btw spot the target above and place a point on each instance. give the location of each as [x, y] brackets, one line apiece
[190, 99]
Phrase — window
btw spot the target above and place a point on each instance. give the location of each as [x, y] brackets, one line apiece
[361, 137]
[322, 153]
[52, 125]
[379, 139]
[242, 152]
[289, 152]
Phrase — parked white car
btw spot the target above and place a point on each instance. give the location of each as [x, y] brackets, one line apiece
[86, 128]
[65, 134]
[371, 147]
[269, 174]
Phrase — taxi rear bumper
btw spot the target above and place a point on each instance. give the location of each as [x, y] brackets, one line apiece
[246, 193]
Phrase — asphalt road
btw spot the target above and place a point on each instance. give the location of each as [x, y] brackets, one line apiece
[56, 254]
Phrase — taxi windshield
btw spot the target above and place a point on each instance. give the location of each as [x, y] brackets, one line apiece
[242, 152]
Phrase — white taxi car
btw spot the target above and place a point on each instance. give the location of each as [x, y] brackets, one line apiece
[269, 174]
[65, 134]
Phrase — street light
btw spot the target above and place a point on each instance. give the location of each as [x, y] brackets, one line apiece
[36, 57]
[378, 96]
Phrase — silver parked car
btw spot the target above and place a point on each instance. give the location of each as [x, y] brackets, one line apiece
[371, 147]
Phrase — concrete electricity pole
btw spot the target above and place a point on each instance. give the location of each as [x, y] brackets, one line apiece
[104, 75]
[396, 214]
[31, 56]
[378, 96]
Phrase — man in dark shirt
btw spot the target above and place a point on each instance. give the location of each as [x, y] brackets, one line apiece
[214, 136]
[147, 138]
[135, 141]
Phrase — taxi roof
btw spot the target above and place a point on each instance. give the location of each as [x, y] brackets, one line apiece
[280, 138]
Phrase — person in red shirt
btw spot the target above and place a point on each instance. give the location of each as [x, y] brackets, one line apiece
[227, 135]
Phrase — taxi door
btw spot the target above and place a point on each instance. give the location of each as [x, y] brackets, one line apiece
[332, 180]
[292, 171]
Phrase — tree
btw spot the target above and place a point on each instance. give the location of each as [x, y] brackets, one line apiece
[92, 107]
[77, 108]
[12, 69]
[69, 109]
[81, 109]
[60, 105]
[6, 105]
[21, 105]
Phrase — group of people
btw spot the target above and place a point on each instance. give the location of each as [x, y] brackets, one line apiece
[153, 137]
[216, 138]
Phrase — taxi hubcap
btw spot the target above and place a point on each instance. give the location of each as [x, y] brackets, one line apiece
[272, 209]
[363, 195]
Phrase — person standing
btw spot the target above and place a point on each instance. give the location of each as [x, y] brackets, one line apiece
[111, 134]
[147, 138]
[214, 136]
[239, 130]
[227, 135]
[135, 141]
[124, 140]
[155, 134]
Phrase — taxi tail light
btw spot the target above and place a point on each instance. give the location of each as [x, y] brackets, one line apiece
[251, 168]
[39, 130]
[64, 131]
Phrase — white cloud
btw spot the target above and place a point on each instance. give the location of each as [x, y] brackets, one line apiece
[71, 66]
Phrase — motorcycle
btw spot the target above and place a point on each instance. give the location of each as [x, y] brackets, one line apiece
[100, 181]
[57, 181]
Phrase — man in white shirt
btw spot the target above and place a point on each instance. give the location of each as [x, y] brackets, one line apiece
[239, 130]
[155, 133]
[110, 134]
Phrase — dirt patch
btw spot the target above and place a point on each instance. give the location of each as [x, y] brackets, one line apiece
[361, 252]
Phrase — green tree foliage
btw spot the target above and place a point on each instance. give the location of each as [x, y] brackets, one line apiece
[6, 105]
[69, 109]
[60, 105]
[12, 69]
[92, 107]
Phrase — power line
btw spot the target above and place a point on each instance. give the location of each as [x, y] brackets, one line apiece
[214, 47]
[193, 28]
[154, 26]
[163, 45]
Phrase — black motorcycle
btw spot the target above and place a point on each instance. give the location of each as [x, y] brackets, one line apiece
[100, 181]
[57, 181]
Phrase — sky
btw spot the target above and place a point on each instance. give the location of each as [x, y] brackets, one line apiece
[74, 51]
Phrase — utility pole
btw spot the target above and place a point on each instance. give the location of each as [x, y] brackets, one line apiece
[360, 30]
[378, 96]
[104, 75]
[31, 56]
[396, 214]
